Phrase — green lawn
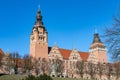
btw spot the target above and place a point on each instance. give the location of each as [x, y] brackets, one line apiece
[11, 77]
[56, 78]
[18, 77]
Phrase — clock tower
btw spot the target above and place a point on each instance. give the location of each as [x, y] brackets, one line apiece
[97, 51]
[39, 39]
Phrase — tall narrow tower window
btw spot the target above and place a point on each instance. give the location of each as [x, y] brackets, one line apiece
[41, 38]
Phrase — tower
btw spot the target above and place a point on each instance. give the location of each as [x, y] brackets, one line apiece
[97, 51]
[39, 39]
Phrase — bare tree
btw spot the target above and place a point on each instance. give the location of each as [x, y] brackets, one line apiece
[58, 67]
[44, 66]
[117, 70]
[37, 64]
[112, 37]
[109, 70]
[27, 64]
[100, 69]
[10, 63]
[91, 69]
[80, 68]
[15, 57]
[7, 62]
[50, 66]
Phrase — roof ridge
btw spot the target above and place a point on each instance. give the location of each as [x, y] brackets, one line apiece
[65, 49]
[71, 50]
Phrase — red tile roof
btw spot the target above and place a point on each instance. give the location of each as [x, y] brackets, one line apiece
[66, 53]
[1, 52]
[84, 55]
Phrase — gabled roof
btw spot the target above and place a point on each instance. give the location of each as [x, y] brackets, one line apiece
[84, 55]
[65, 53]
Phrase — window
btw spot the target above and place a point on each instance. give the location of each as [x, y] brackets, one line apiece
[70, 65]
[39, 58]
[54, 51]
[40, 33]
[40, 37]
[66, 61]
[73, 57]
[74, 65]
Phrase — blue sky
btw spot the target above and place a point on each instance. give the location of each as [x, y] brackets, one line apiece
[70, 23]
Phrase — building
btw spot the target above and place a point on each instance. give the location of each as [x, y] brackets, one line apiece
[39, 49]
[39, 46]
[1, 56]
[1, 53]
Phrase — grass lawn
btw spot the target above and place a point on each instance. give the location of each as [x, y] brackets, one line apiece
[56, 78]
[11, 77]
[18, 77]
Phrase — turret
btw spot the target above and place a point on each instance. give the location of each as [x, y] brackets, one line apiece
[97, 50]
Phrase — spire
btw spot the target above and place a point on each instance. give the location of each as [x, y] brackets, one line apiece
[39, 18]
[96, 38]
[97, 42]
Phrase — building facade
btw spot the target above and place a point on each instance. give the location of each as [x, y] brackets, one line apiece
[39, 49]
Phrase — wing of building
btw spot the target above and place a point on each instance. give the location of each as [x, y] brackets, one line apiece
[65, 54]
